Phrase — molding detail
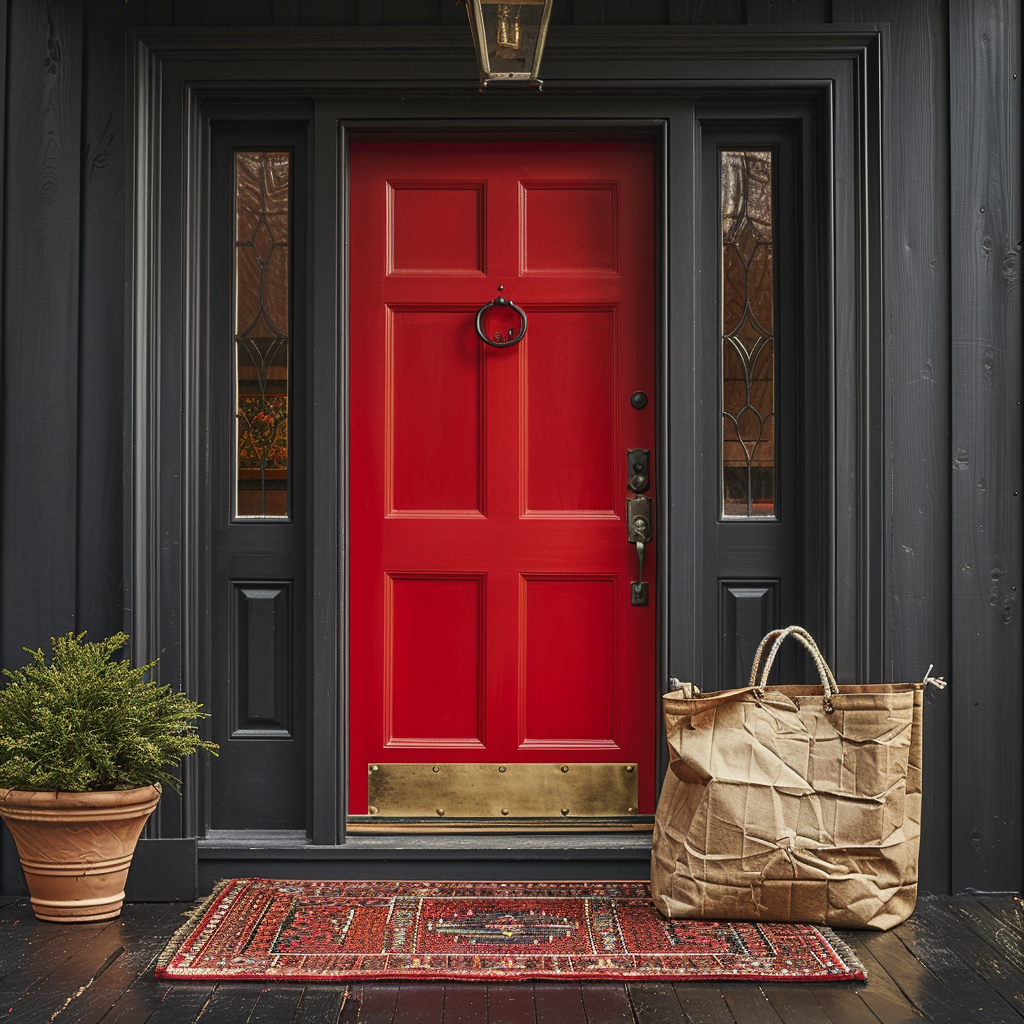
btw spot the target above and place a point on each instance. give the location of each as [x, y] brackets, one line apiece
[337, 80]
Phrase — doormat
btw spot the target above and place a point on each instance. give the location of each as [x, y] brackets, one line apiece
[256, 929]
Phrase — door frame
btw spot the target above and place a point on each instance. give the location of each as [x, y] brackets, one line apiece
[337, 82]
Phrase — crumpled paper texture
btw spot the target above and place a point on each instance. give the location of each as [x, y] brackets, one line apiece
[774, 811]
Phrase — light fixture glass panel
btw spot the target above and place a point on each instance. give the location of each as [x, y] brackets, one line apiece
[509, 38]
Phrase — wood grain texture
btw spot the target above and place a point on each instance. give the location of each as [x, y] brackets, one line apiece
[606, 1004]
[654, 1003]
[986, 444]
[917, 380]
[588, 12]
[322, 1004]
[792, 12]
[40, 325]
[944, 952]
[99, 596]
[371, 12]
[881, 993]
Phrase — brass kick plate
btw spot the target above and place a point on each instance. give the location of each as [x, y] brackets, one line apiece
[445, 791]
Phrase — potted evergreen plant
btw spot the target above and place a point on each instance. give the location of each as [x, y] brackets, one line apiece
[86, 742]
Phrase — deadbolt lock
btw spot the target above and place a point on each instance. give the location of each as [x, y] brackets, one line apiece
[638, 469]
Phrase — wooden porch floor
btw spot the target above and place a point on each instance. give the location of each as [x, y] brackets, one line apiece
[957, 960]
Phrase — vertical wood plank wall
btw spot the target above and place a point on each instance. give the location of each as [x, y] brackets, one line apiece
[988, 510]
[40, 333]
[952, 362]
[40, 355]
[916, 354]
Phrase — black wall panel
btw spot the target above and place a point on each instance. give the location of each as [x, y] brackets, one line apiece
[915, 419]
[985, 148]
[41, 314]
[39, 369]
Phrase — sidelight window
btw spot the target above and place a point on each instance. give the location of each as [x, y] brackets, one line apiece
[747, 305]
[262, 331]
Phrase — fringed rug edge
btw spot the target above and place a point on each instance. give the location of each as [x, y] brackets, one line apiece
[845, 951]
[192, 916]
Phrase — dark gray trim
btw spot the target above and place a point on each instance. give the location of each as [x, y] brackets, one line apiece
[364, 75]
[163, 870]
[469, 858]
[985, 156]
[328, 533]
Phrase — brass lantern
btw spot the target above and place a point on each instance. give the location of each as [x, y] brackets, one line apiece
[509, 38]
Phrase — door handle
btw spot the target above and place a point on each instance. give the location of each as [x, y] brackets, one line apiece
[639, 531]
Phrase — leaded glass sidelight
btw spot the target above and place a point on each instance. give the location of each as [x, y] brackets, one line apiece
[262, 331]
[747, 335]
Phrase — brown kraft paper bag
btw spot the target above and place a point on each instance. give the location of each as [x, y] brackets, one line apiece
[776, 809]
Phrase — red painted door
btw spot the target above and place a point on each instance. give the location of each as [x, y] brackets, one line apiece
[489, 596]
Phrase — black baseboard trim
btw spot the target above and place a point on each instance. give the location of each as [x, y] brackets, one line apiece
[453, 857]
[163, 871]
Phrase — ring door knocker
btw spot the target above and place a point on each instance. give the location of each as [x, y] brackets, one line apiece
[500, 341]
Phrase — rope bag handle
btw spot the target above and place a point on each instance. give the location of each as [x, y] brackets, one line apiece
[776, 638]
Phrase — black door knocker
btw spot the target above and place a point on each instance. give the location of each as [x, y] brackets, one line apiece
[512, 337]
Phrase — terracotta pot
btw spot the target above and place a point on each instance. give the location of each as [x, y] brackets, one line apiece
[75, 848]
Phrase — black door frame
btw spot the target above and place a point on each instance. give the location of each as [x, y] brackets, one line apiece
[832, 79]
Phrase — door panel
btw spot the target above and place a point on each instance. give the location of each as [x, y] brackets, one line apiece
[490, 608]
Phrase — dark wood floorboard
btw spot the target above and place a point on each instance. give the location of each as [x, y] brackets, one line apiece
[142, 939]
[1005, 939]
[377, 1002]
[181, 1004]
[958, 960]
[881, 994]
[843, 1004]
[1009, 910]
[941, 951]
[233, 1003]
[703, 1004]
[985, 957]
[277, 1003]
[795, 1004]
[655, 1003]
[749, 1005]
[559, 1001]
[510, 1003]
[465, 1004]
[420, 1002]
[606, 1004]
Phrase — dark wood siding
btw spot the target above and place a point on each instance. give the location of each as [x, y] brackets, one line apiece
[40, 331]
[947, 429]
[987, 516]
[916, 355]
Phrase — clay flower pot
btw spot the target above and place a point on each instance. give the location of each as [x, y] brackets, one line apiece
[75, 848]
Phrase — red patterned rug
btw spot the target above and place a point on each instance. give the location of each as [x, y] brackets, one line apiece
[257, 929]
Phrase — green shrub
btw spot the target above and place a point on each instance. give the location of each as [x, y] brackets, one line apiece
[85, 722]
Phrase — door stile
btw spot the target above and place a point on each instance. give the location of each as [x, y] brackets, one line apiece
[681, 510]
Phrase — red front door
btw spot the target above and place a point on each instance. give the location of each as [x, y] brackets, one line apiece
[489, 597]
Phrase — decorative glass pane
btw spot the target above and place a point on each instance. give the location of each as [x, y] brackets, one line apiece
[748, 335]
[262, 329]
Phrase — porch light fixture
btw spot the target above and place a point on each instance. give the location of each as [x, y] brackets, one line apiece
[509, 39]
